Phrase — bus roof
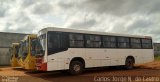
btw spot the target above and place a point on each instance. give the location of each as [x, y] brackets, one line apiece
[15, 43]
[89, 32]
[30, 35]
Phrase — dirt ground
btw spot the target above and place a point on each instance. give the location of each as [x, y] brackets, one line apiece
[149, 72]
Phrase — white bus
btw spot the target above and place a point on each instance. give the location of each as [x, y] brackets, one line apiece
[75, 50]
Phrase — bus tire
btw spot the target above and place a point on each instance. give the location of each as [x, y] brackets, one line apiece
[76, 67]
[129, 64]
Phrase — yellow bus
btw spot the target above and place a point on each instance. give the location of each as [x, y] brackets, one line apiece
[14, 55]
[27, 52]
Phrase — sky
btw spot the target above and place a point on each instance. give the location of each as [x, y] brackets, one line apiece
[136, 17]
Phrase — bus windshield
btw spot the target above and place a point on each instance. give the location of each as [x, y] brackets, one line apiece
[40, 45]
[33, 46]
[20, 49]
[11, 52]
[25, 49]
[16, 51]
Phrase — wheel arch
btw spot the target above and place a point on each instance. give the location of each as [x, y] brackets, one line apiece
[78, 59]
[132, 57]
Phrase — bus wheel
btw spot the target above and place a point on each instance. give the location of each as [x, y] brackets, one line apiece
[76, 67]
[129, 64]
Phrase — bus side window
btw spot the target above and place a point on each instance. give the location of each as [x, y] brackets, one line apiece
[135, 42]
[93, 41]
[146, 43]
[109, 41]
[123, 42]
[76, 40]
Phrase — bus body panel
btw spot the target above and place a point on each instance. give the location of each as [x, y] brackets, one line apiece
[62, 60]
[29, 62]
[97, 57]
[14, 62]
